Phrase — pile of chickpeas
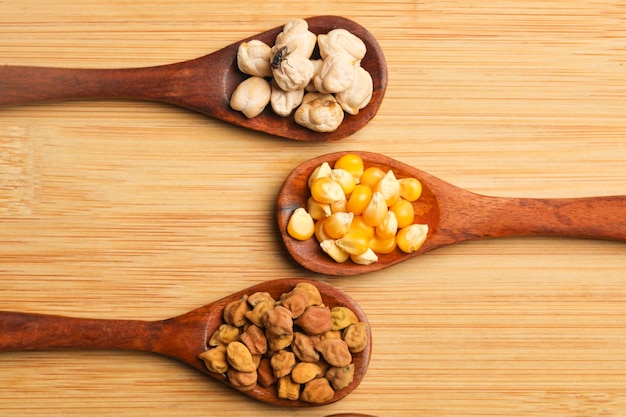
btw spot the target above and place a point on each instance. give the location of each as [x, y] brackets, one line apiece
[358, 213]
[318, 92]
[297, 343]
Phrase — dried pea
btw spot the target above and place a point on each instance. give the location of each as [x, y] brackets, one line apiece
[240, 357]
[215, 359]
[342, 317]
[317, 391]
[287, 389]
[340, 378]
[355, 337]
[305, 372]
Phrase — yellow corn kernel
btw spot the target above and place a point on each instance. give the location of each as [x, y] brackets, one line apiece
[300, 225]
[410, 189]
[338, 224]
[404, 212]
[359, 199]
[320, 233]
[389, 187]
[389, 227]
[376, 210]
[351, 163]
[358, 224]
[344, 178]
[327, 191]
[371, 176]
[412, 237]
[317, 210]
[354, 242]
[321, 171]
[330, 247]
[338, 206]
[367, 258]
[382, 246]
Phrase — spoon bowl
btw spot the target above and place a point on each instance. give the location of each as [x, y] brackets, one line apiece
[204, 84]
[183, 337]
[453, 215]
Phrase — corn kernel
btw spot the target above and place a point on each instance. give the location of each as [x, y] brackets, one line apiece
[300, 225]
[371, 176]
[354, 242]
[338, 224]
[410, 189]
[351, 163]
[320, 233]
[338, 206]
[358, 224]
[330, 247]
[412, 237]
[382, 246]
[404, 212]
[359, 199]
[389, 227]
[367, 258]
[321, 171]
[327, 191]
[317, 210]
[389, 187]
[344, 178]
[376, 210]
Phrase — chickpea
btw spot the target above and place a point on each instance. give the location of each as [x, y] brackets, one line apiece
[235, 312]
[303, 347]
[335, 352]
[315, 320]
[282, 363]
[342, 317]
[240, 357]
[245, 381]
[304, 372]
[287, 389]
[355, 337]
[340, 378]
[215, 359]
[224, 334]
[317, 391]
[254, 339]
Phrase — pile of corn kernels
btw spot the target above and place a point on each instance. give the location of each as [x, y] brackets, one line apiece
[358, 213]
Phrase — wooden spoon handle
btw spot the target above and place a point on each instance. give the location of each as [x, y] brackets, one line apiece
[29, 332]
[591, 217]
[24, 85]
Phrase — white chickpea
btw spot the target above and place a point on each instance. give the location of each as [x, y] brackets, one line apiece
[293, 72]
[319, 112]
[297, 37]
[284, 102]
[359, 94]
[341, 41]
[337, 73]
[253, 58]
[251, 96]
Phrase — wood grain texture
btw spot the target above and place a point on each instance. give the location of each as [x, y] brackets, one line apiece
[129, 210]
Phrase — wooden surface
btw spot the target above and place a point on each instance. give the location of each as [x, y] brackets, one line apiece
[143, 211]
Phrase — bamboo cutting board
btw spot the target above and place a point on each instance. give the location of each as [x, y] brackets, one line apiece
[121, 209]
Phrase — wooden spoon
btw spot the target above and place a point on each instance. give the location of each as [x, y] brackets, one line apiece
[183, 337]
[203, 84]
[455, 215]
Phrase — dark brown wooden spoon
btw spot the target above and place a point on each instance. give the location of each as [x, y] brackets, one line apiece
[455, 215]
[182, 338]
[204, 84]
[350, 415]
